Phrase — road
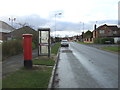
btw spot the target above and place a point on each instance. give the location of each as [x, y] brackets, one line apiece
[81, 66]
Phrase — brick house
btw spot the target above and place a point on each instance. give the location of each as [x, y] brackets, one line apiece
[5, 31]
[106, 31]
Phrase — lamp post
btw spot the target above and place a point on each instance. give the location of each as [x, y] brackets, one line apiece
[12, 20]
[55, 21]
[83, 26]
[96, 23]
[80, 27]
[82, 32]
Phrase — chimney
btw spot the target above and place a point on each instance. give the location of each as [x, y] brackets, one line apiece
[95, 27]
[82, 34]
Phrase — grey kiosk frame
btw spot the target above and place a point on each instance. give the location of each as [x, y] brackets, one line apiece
[44, 42]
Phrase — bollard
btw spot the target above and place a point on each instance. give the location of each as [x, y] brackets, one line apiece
[27, 48]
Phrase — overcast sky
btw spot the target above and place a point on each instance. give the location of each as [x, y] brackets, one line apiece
[39, 13]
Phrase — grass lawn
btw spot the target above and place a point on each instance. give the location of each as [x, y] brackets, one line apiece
[115, 49]
[83, 42]
[48, 62]
[28, 79]
[54, 49]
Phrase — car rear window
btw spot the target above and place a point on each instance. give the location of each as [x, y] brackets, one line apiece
[64, 40]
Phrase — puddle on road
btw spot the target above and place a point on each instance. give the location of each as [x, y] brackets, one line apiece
[66, 51]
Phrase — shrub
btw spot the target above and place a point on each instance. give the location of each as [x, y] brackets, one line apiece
[107, 41]
[13, 47]
[97, 40]
[33, 45]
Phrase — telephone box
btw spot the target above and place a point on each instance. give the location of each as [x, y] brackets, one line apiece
[27, 48]
[44, 42]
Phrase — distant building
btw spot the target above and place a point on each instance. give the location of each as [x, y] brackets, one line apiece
[88, 37]
[5, 31]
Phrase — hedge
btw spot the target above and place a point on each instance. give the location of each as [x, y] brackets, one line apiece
[105, 40]
[12, 47]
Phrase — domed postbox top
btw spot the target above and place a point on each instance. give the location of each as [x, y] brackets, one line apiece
[27, 35]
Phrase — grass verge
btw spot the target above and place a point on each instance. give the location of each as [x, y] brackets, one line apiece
[35, 78]
[83, 42]
[115, 49]
[54, 49]
[48, 62]
[23, 78]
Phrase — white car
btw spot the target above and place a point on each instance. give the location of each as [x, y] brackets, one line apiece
[64, 43]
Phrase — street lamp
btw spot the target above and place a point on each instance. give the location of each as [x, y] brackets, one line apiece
[80, 27]
[83, 26]
[96, 23]
[82, 31]
[55, 21]
[12, 20]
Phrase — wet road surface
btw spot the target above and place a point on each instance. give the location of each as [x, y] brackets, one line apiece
[81, 66]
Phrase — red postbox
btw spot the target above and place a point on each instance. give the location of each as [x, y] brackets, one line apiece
[27, 48]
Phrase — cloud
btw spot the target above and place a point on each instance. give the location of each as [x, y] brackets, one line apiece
[35, 21]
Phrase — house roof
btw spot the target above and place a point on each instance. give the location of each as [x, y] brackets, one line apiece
[112, 27]
[23, 30]
[6, 28]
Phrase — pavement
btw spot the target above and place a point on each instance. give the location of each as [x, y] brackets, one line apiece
[14, 63]
[81, 66]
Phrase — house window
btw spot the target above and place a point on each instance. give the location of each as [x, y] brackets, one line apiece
[101, 31]
[115, 32]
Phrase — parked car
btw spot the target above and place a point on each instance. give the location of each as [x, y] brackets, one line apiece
[64, 43]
